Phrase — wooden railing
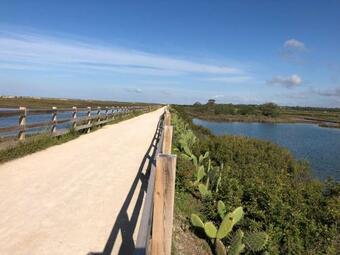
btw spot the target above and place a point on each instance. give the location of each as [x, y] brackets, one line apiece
[155, 231]
[102, 116]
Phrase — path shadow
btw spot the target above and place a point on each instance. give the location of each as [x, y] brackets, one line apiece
[123, 224]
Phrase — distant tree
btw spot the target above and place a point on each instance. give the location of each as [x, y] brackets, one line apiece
[197, 104]
[270, 109]
[211, 101]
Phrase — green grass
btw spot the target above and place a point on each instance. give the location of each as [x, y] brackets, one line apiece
[33, 144]
[43, 141]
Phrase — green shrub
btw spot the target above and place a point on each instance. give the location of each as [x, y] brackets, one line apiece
[300, 214]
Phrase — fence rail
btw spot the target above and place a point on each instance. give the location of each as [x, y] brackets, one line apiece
[102, 116]
[155, 230]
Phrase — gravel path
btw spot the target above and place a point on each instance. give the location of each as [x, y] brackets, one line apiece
[80, 197]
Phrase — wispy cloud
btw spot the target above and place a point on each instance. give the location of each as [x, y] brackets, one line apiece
[36, 51]
[286, 81]
[231, 79]
[218, 96]
[294, 51]
[328, 93]
[294, 44]
[298, 95]
[134, 90]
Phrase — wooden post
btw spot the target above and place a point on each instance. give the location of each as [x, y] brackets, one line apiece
[98, 113]
[113, 112]
[167, 142]
[88, 119]
[167, 118]
[54, 120]
[106, 112]
[74, 117]
[22, 123]
[164, 195]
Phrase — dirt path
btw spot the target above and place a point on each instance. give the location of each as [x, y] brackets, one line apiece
[80, 197]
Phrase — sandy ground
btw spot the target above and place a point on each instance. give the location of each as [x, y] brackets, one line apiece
[80, 197]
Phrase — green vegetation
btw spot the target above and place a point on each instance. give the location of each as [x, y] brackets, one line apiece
[288, 209]
[34, 102]
[254, 241]
[268, 112]
[42, 141]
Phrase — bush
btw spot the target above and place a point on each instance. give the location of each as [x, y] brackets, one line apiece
[278, 194]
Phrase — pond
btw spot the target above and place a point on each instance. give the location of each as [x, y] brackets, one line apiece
[319, 146]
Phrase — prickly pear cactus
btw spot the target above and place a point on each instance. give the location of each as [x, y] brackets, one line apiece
[194, 160]
[196, 221]
[210, 229]
[255, 241]
[236, 245]
[200, 174]
[226, 226]
[237, 214]
[204, 190]
[218, 183]
[221, 209]
[186, 149]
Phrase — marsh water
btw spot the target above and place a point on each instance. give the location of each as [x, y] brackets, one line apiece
[319, 146]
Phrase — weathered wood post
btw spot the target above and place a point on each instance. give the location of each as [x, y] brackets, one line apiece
[98, 113]
[167, 118]
[113, 113]
[164, 195]
[167, 142]
[88, 119]
[54, 120]
[22, 123]
[106, 112]
[74, 117]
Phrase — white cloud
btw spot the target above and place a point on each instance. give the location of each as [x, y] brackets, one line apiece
[231, 79]
[32, 51]
[218, 96]
[286, 81]
[294, 44]
[134, 90]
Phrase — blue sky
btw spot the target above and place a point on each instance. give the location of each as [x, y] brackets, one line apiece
[286, 52]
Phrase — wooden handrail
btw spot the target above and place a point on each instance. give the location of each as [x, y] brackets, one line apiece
[94, 117]
[144, 232]
[155, 231]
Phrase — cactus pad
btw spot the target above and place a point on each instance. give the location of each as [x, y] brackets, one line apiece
[196, 221]
[210, 229]
[226, 226]
[256, 241]
[237, 214]
[204, 190]
[221, 209]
